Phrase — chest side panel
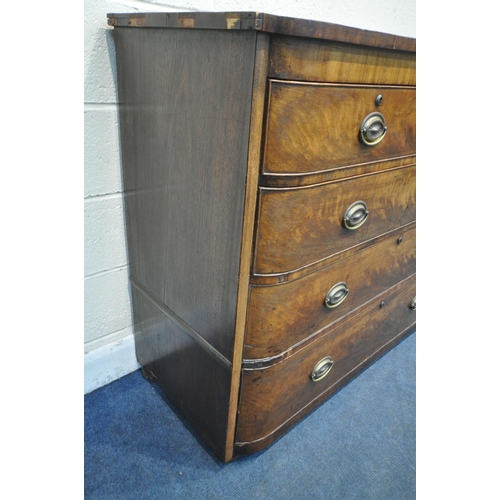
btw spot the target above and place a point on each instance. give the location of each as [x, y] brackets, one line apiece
[185, 110]
[185, 99]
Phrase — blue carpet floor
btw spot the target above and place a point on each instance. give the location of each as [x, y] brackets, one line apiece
[360, 444]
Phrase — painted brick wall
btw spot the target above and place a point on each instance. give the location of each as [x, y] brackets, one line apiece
[108, 339]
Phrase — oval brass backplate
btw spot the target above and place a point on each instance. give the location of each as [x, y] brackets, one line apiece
[355, 215]
[373, 129]
[336, 295]
[322, 369]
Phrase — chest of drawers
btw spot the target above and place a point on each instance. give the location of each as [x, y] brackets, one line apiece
[269, 179]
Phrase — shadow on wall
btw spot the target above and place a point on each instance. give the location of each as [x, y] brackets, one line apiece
[100, 67]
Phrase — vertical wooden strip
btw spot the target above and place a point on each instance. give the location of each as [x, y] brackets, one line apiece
[253, 162]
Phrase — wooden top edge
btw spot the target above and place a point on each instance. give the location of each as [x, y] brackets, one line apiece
[263, 22]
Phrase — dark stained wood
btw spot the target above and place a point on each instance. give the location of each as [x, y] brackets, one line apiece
[264, 22]
[281, 316]
[195, 382]
[298, 227]
[315, 127]
[185, 115]
[185, 100]
[180, 323]
[324, 61]
[272, 396]
[253, 167]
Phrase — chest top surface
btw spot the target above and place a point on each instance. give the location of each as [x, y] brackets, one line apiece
[267, 23]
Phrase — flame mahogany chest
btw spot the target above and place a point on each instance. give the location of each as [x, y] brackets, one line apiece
[269, 179]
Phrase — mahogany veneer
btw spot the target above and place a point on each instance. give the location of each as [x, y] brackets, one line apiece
[242, 151]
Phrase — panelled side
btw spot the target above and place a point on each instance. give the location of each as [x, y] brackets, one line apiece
[185, 99]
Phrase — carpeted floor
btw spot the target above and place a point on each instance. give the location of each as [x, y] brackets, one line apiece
[360, 444]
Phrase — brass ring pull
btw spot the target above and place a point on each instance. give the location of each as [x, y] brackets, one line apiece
[336, 295]
[373, 129]
[355, 216]
[322, 369]
[413, 305]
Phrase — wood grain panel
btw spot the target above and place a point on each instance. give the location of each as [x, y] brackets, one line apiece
[272, 396]
[298, 227]
[178, 364]
[311, 128]
[324, 61]
[281, 316]
[185, 114]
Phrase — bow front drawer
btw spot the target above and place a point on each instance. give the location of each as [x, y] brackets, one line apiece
[286, 314]
[318, 127]
[298, 227]
[275, 397]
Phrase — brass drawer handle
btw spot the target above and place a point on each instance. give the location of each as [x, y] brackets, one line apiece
[322, 369]
[413, 305]
[373, 129]
[355, 216]
[336, 295]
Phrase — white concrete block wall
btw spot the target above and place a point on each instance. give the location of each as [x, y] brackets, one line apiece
[108, 342]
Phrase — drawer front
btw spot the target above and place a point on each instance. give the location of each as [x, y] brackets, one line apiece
[294, 58]
[272, 396]
[298, 227]
[314, 128]
[281, 316]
